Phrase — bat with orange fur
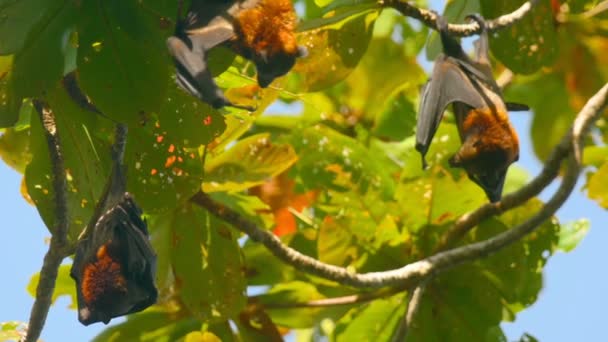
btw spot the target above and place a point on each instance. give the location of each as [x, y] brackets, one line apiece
[259, 30]
[489, 141]
[114, 264]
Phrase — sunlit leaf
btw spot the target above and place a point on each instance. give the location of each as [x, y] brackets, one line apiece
[250, 162]
[374, 321]
[335, 45]
[572, 233]
[597, 186]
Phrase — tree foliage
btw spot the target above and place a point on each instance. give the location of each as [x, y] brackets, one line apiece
[327, 162]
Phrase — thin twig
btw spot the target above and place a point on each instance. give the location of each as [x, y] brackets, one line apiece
[429, 18]
[413, 306]
[413, 273]
[58, 246]
[335, 301]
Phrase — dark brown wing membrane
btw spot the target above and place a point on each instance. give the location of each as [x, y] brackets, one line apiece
[449, 83]
[114, 266]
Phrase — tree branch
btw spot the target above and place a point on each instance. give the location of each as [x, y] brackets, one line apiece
[58, 247]
[413, 305]
[412, 274]
[429, 18]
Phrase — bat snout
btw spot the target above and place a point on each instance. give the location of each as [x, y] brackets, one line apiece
[492, 184]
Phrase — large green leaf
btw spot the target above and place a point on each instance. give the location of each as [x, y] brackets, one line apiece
[335, 45]
[162, 172]
[250, 162]
[528, 45]
[375, 321]
[18, 18]
[207, 264]
[121, 60]
[329, 159]
[40, 63]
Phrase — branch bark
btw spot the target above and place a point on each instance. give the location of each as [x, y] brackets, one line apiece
[58, 248]
[429, 18]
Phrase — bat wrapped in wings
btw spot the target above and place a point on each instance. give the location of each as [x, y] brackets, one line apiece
[489, 142]
[259, 30]
[114, 265]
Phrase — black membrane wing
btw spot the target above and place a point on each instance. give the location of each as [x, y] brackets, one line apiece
[449, 83]
[114, 266]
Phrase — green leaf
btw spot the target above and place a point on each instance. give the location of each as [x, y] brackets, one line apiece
[297, 318]
[382, 73]
[11, 103]
[207, 264]
[151, 325]
[572, 233]
[329, 159]
[398, 119]
[374, 321]
[120, 63]
[187, 120]
[47, 42]
[597, 187]
[529, 44]
[64, 286]
[162, 172]
[249, 163]
[552, 119]
[85, 148]
[18, 18]
[335, 46]
[14, 148]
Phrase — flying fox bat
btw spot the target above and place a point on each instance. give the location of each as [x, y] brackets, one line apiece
[489, 142]
[259, 30]
[114, 265]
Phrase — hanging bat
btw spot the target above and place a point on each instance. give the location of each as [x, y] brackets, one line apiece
[114, 264]
[489, 142]
[259, 30]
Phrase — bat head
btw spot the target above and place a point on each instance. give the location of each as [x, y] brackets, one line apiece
[271, 66]
[114, 266]
[486, 167]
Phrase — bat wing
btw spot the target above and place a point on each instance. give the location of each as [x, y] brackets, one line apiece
[114, 267]
[449, 83]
